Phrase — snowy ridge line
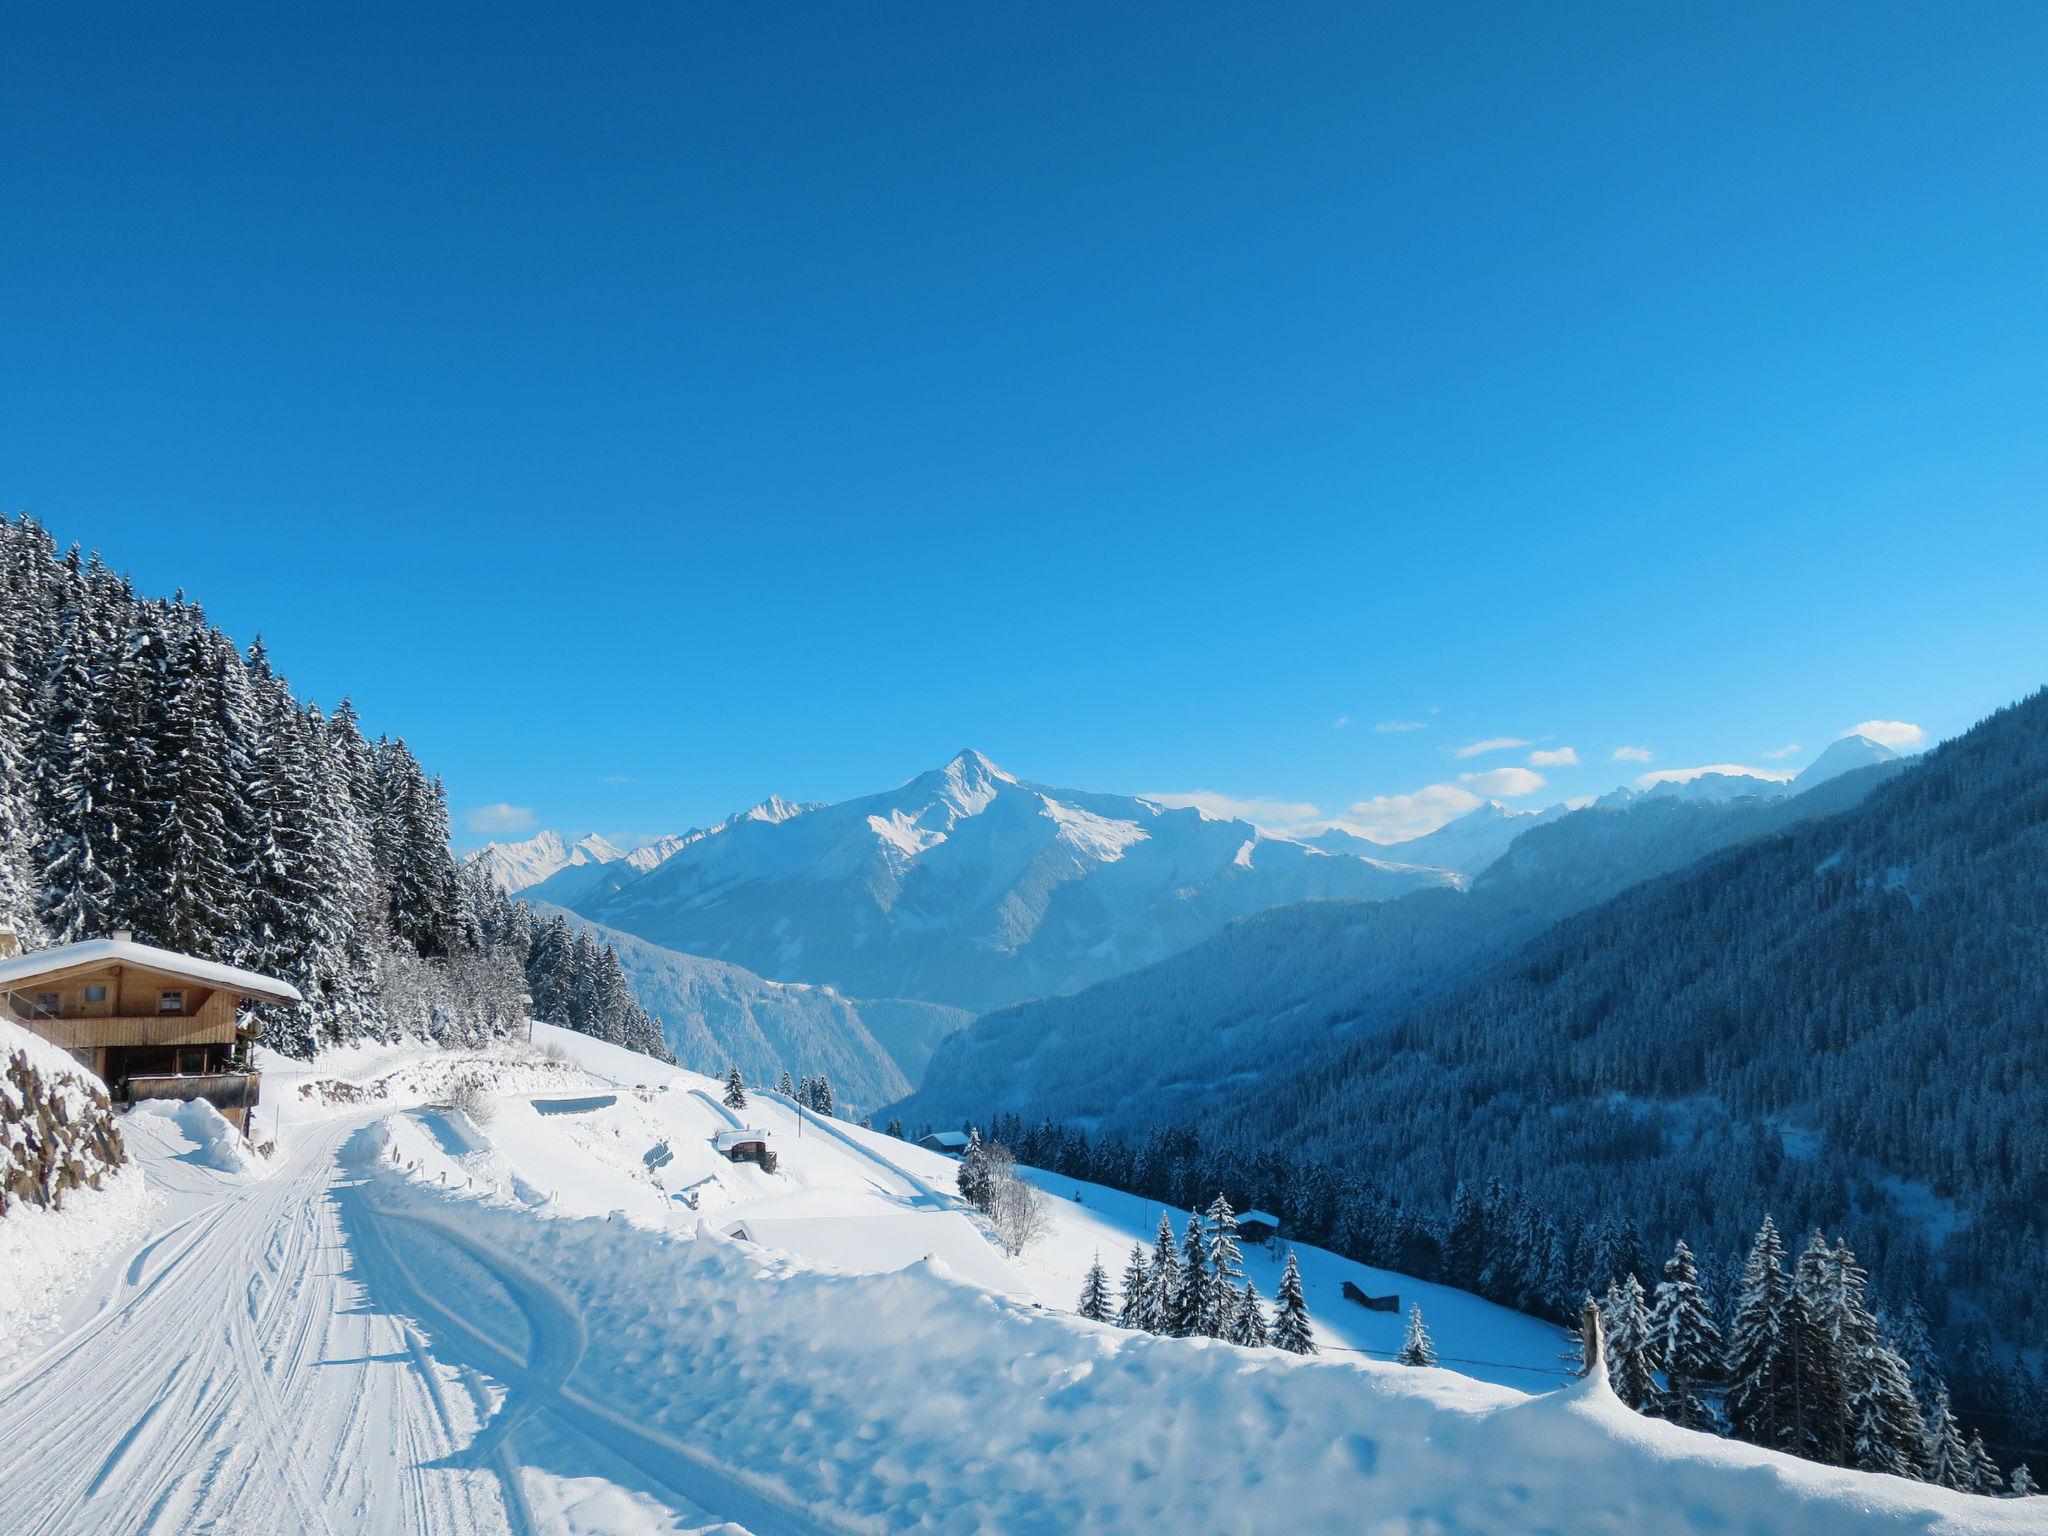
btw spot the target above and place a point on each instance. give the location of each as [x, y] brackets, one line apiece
[720, 1110]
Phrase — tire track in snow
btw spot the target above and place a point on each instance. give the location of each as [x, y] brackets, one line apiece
[724, 1491]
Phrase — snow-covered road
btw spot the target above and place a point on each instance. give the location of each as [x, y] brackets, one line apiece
[264, 1364]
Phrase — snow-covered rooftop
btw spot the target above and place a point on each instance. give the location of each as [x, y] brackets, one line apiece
[727, 1140]
[63, 957]
[1258, 1218]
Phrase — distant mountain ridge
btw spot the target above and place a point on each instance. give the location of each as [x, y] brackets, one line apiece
[968, 886]
[1174, 1039]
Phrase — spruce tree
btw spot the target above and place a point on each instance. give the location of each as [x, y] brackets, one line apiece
[1984, 1474]
[735, 1089]
[1291, 1329]
[1191, 1310]
[1136, 1307]
[973, 1176]
[1248, 1321]
[1226, 1268]
[1944, 1454]
[2023, 1485]
[1095, 1292]
[1757, 1405]
[1684, 1341]
[1886, 1431]
[1165, 1276]
[784, 1086]
[1417, 1348]
[1631, 1357]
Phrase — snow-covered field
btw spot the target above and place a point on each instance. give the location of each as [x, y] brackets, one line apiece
[528, 1316]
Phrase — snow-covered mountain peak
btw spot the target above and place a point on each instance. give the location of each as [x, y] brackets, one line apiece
[1843, 756]
[968, 784]
[517, 866]
[774, 810]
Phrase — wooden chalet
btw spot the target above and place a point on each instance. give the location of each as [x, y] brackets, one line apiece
[150, 1023]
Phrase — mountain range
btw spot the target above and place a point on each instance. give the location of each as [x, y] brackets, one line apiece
[966, 886]
[1177, 1038]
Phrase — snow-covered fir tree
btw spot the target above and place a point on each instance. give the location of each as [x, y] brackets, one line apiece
[1248, 1319]
[1984, 1474]
[1944, 1453]
[1631, 1349]
[2023, 1485]
[735, 1089]
[972, 1178]
[1190, 1314]
[1685, 1341]
[1095, 1292]
[1137, 1305]
[1291, 1329]
[1226, 1268]
[1759, 1405]
[1886, 1430]
[1417, 1348]
[1165, 1276]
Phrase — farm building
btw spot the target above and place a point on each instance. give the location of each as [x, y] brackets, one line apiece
[150, 1023]
[1258, 1226]
[952, 1143]
[746, 1146]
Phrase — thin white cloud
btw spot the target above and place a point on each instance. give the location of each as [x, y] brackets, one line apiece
[1503, 781]
[500, 818]
[1899, 735]
[1396, 727]
[1396, 818]
[1255, 809]
[1733, 770]
[1558, 757]
[1491, 744]
[1630, 755]
[1778, 753]
[1340, 722]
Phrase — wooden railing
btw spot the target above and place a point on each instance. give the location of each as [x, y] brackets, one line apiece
[145, 1029]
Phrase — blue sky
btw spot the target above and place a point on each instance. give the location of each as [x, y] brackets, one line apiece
[646, 409]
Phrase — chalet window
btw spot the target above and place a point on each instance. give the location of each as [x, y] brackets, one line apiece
[170, 1002]
[46, 1002]
[95, 994]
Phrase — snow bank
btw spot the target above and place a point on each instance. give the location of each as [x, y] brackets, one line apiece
[215, 1143]
[47, 1255]
[914, 1402]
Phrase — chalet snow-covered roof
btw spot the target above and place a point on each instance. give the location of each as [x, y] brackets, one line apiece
[64, 957]
[944, 1138]
[1258, 1219]
[727, 1140]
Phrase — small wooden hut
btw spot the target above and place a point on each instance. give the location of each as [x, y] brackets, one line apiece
[150, 1023]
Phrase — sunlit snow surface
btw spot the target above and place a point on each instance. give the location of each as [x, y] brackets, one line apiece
[414, 1321]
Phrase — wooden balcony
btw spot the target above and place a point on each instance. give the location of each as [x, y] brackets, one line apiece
[211, 1027]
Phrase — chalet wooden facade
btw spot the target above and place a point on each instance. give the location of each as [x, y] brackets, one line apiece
[150, 1023]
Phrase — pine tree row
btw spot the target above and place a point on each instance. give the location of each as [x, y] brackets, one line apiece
[156, 779]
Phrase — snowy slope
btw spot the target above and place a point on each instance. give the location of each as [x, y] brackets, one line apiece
[717, 1015]
[971, 887]
[418, 1320]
